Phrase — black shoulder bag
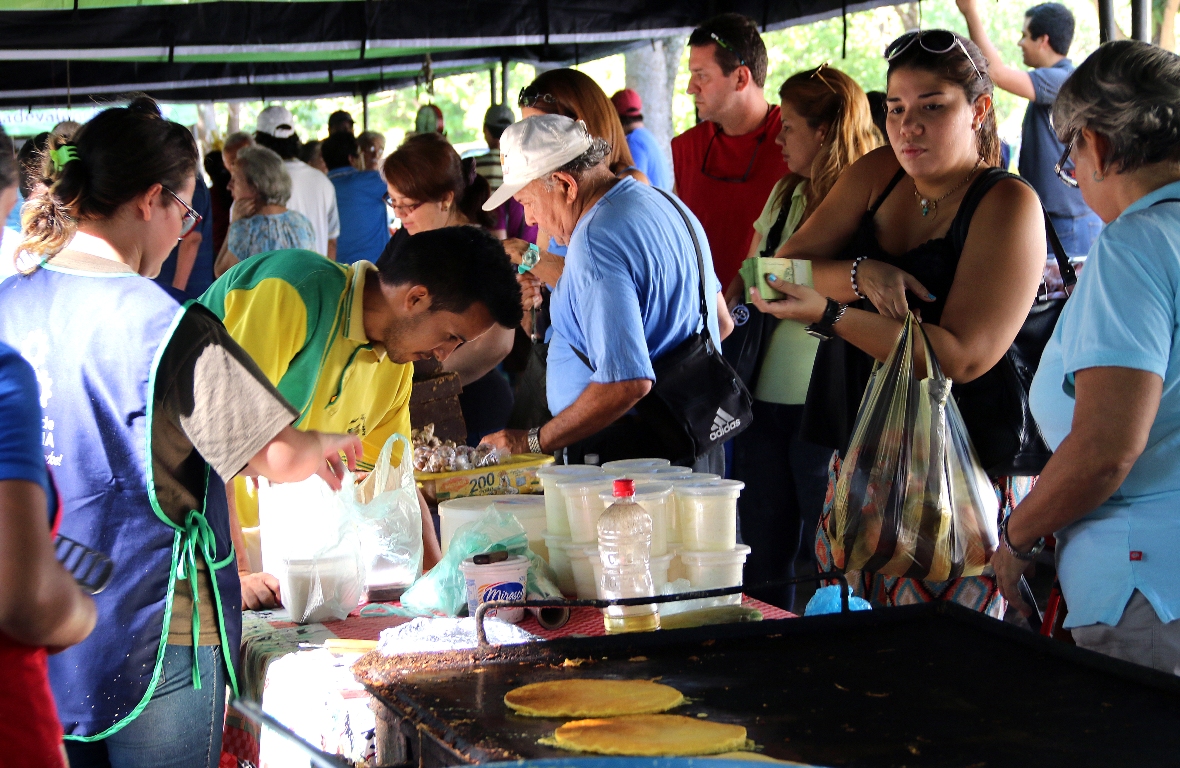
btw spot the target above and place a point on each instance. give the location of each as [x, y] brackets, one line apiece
[995, 406]
[697, 402]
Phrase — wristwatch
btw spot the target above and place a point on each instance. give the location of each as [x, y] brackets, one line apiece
[535, 440]
[1028, 556]
[529, 259]
[824, 330]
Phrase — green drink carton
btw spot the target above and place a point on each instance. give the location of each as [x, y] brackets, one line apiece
[755, 269]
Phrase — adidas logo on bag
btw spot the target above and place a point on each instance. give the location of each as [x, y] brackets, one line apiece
[723, 424]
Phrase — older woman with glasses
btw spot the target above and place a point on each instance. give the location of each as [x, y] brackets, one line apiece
[261, 222]
[1106, 395]
[928, 224]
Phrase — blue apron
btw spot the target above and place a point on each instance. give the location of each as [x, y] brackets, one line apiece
[95, 341]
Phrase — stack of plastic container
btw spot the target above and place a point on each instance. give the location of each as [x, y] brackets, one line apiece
[706, 548]
[557, 525]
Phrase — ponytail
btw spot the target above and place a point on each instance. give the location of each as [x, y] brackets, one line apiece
[115, 157]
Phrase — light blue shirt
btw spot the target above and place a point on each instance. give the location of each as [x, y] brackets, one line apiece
[629, 292]
[1124, 313]
[650, 158]
[270, 232]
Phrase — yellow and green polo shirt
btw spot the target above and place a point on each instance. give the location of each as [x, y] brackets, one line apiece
[300, 316]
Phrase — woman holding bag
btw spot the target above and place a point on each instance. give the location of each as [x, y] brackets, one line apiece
[928, 223]
[826, 126]
[1106, 391]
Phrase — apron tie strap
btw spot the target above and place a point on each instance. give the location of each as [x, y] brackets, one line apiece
[197, 538]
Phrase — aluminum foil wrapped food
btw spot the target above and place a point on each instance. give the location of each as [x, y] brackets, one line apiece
[433, 455]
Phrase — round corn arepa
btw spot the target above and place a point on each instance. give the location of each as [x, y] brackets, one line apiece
[592, 698]
[650, 735]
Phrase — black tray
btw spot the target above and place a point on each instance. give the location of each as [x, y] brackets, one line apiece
[926, 685]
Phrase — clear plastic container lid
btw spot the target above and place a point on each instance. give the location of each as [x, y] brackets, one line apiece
[727, 488]
[662, 472]
[626, 465]
[678, 483]
[559, 471]
[644, 492]
[586, 485]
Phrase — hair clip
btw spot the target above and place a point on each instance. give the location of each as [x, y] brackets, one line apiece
[62, 155]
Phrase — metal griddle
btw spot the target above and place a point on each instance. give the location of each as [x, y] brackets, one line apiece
[925, 685]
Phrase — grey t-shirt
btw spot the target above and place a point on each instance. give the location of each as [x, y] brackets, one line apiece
[1039, 148]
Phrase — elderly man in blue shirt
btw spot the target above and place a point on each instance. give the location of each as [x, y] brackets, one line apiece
[629, 292]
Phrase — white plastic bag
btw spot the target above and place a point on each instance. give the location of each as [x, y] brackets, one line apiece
[325, 547]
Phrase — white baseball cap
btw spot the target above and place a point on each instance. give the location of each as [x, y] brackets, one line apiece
[534, 148]
[277, 121]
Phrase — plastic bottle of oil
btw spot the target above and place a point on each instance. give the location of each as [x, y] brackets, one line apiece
[624, 545]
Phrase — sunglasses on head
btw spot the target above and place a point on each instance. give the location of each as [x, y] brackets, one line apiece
[191, 217]
[936, 41]
[818, 74]
[528, 97]
[718, 39]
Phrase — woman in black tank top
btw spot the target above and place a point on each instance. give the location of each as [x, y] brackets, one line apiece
[929, 224]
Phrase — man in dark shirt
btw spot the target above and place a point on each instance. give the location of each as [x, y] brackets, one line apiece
[1044, 43]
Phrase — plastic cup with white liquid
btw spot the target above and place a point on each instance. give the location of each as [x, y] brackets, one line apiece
[583, 506]
[556, 519]
[656, 498]
[708, 515]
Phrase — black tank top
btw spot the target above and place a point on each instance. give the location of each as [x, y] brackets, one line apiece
[841, 370]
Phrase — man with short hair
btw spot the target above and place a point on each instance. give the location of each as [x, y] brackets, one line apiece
[311, 192]
[629, 293]
[645, 150]
[727, 165]
[495, 121]
[364, 225]
[339, 341]
[1044, 44]
[340, 122]
[232, 145]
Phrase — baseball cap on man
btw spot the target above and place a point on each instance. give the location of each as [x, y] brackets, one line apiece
[534, 148]
[498, 116]
[277, 121]
[627, 103]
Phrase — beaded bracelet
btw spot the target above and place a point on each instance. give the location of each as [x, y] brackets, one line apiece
[855, 266]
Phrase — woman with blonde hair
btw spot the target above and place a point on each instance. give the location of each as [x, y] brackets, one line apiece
[826, 126]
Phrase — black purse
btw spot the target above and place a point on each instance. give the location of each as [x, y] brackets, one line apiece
[744, 349]
[995, 406]
[698, 402]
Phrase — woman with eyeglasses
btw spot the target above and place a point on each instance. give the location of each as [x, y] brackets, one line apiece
[146, 404]
[262, 222]
[431, 187]
[1105, 394]
[929, 224]
[826, 126]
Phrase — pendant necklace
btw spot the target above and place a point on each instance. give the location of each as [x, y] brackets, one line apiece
[931, 206]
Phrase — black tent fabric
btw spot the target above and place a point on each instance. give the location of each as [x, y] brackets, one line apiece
[226, 49]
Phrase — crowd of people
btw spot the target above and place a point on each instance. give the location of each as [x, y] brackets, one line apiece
[582, 288]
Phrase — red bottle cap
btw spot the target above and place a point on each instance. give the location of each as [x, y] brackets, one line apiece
[624, 488]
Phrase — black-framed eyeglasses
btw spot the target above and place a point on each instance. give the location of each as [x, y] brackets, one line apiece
[936, 41]
[191, 218]
[401, 211]
[749, 167]
[1064, 169]
[717, 39]
[529, 97]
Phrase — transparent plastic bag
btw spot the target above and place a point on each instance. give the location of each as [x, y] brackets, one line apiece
[326, 546]
[444, 590]
[912, 499]
[385, 509]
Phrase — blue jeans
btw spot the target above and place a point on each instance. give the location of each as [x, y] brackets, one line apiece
[1077, 234]
[179, 728]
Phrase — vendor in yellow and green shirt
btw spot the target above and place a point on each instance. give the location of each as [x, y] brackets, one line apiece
[338, 342]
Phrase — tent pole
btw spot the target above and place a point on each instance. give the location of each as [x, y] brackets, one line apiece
[1141, 20]
[1105, 20]
[492, 82]
[365, 110]
[504, 80]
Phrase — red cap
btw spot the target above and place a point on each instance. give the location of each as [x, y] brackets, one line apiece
[627, 103]
[624, 488]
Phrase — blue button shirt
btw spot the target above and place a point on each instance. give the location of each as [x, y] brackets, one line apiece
[1124, 313]
[21, 454]
[364, 225]
[629, 292]
[650, 158]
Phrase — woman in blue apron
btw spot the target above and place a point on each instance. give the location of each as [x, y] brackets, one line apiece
[147, 404]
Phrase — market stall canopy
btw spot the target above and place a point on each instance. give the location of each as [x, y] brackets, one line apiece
[82, 50]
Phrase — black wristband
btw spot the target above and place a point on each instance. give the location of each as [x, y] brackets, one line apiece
[825, 328]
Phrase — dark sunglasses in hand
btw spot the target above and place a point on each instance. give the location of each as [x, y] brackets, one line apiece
[191, 217]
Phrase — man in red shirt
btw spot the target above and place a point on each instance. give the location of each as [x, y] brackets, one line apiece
[726, 166]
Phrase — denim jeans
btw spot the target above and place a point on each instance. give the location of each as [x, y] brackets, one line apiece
[179, 728]
[1077, 234]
